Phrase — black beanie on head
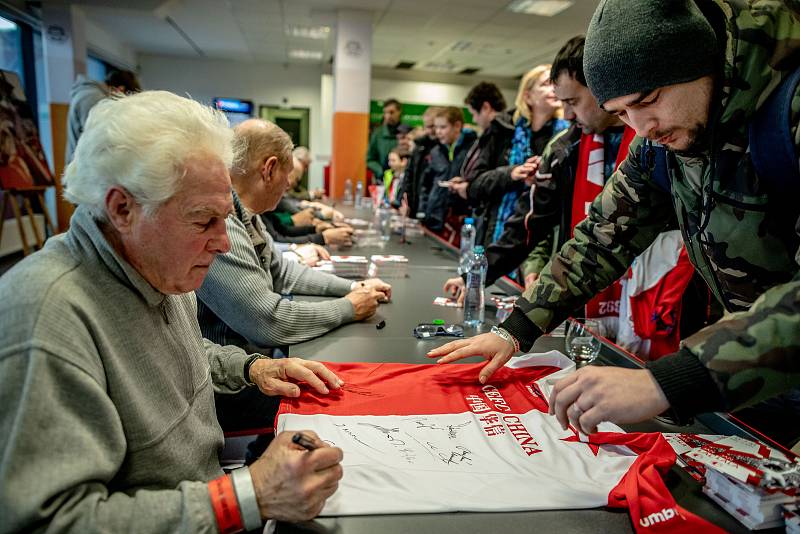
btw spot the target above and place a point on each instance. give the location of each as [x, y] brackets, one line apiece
[635, 46]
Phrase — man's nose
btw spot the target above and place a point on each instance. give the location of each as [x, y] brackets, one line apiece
[220, 244]
[641, 122]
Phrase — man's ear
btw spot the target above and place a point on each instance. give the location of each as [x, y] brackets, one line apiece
[121, 208]
[269, 167]
[485, 107]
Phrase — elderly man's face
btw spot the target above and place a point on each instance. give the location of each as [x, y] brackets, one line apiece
[297, 173]
[275, 181]
[173, 249]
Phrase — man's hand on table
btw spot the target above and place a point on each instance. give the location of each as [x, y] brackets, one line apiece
[490, 346]
[280, 376]
[320, 226]
[303, 218]
[595, 394]
[365, 302]
[455, 288]
[292, 483]
[338, 236]
[311, 253]
[378, 285]
[328, 212]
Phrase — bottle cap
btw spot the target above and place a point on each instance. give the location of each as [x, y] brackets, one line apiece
[469, 220]
[438, 321]
[478, 249]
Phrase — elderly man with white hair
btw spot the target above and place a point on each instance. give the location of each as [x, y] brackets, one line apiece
[240, 299]
[302, 157]
[106, 383]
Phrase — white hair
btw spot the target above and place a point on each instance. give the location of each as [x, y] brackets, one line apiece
[302, 153]
[142, 142]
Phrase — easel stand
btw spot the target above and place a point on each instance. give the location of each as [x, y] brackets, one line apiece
[12, 196]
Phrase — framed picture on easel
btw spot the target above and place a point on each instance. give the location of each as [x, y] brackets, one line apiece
[22, 160]
[24, 172]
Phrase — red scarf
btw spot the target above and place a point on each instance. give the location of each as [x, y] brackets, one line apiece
[589, 181]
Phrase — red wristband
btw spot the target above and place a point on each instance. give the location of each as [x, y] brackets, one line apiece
[225, 505]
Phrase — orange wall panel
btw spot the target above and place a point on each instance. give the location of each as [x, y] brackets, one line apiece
[349, 158]
[58, 130]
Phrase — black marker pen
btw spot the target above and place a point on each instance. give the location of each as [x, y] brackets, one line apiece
[303, 441]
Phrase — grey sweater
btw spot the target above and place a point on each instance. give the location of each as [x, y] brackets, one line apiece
[84, 95]
[106, 388]
[240, 301]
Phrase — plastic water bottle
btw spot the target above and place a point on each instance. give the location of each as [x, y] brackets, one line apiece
[476, 281]
[348, 192]
[359, 193]
[467, 244]
[382, 221]
[385, 216]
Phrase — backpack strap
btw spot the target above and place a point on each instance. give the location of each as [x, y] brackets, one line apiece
[654, 157]
[772, 148]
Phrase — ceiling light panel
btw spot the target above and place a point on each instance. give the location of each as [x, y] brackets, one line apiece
[308, 32]
[542, 8]
[305, 54]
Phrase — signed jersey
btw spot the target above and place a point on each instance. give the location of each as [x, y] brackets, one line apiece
[430, 438]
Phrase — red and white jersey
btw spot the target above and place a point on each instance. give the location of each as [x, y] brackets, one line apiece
[430, 438]
[652, 297]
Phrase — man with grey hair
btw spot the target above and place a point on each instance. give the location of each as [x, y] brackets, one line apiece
[105, 380]
[297, 190]
[240, 301]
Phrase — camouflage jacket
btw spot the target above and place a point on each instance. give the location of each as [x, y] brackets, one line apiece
[742, 237]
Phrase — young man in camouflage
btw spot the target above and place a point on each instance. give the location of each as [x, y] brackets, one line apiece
[690, 76]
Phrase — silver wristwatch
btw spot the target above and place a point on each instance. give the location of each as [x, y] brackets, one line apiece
[503, 333]
[246, 495]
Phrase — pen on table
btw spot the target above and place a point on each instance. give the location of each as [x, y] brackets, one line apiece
[303, 441]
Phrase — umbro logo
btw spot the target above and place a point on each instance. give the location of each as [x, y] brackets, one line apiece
[658, 517]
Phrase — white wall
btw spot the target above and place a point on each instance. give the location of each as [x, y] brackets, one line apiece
[441, 94]
[263, 83]
[106, 46]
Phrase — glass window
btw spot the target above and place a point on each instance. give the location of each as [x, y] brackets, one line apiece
[95, 69]
[41, 96]
[10, 47]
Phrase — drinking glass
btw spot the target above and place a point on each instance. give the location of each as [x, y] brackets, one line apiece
[581, 342]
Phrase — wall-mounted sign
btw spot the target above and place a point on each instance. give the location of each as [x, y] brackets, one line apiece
[57, 33]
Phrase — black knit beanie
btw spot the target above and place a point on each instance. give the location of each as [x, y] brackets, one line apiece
[635, 46]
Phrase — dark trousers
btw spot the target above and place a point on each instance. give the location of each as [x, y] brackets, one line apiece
[248, 409]
[245, 410]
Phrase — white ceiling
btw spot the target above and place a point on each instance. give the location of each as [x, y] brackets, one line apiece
[438, 35]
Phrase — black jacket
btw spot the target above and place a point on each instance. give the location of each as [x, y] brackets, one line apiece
[290, 234]
[486, 191]
[414, 182]
[489, 153]
[440, 199]
[552, 208]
